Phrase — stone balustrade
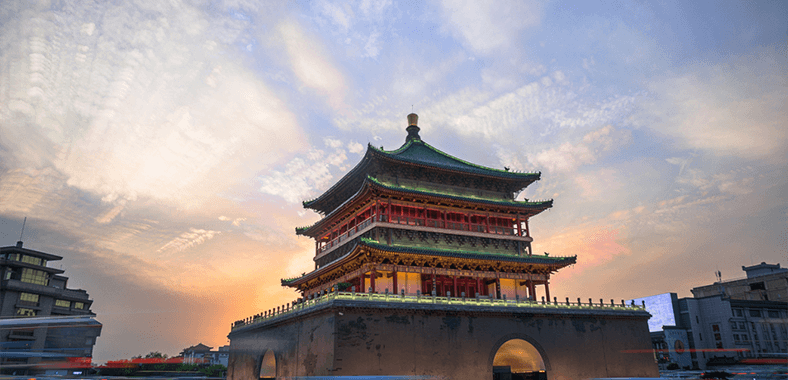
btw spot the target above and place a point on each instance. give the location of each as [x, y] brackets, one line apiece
[462, 300]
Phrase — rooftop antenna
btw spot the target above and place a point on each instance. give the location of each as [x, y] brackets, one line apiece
[23, 228]
[19, 243]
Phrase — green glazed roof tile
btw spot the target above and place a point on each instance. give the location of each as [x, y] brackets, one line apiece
[469, 254]
[419, 152]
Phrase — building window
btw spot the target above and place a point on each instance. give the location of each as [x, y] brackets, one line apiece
[696, 319]
[738, 312]
[773, 314]
[63, 303]
[736, 337]
[757, 286]
[755, 313]
[13, 257]
[742, 326]
[31, 260]
[28, 299]
[734, 326]
[34, 276]
[79, 305]
[23, 312]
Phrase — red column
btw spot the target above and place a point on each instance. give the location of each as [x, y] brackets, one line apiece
[519, 226]
[532, 289]
[372, 276]
[396, 290]
[527, 229]
[478, 286]
[454, 280]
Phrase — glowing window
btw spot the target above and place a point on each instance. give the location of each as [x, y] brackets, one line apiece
[63, 303]
[31, 260]
[34, 276]
[23, 312]
[79, 305]
[29, 298]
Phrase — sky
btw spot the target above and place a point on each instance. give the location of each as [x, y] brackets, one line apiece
[164, 148]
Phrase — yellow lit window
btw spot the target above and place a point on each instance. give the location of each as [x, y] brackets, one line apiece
[34, 276]
[63, 303]
[27, 297]
[79, 305]
[31, 260]
[14, 257]
[22, 312]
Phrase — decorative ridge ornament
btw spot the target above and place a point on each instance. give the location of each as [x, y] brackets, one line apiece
[413, 128]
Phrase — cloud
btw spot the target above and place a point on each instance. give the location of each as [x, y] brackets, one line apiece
[337, 14]
[311, 64]
[489, 27]
[302, 177]
[157, 113]
[736, 108]
[534, 108]
[593, 243]
[354, 147]
[189, 239]
[568, 157]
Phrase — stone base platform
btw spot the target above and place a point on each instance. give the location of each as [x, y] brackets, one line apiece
[346, 336]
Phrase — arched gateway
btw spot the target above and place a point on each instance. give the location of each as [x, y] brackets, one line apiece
[268, 365]
[517, 359]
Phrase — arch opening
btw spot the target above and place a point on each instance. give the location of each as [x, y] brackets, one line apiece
[268, 365]
[517, 359]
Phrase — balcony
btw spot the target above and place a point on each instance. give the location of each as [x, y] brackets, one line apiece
[424, 224]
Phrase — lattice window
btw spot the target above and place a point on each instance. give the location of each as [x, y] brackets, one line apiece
[34, 277]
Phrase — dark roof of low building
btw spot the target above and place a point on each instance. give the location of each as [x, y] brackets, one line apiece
[18, 249]
[197, 348]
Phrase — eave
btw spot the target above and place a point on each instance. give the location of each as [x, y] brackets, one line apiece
[363, 245]
[517, 179]
[373, 185]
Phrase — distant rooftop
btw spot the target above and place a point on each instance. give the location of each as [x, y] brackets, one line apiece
[763, 269]
[19, 249]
